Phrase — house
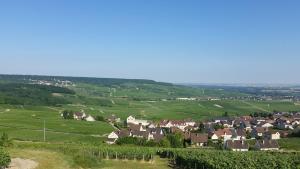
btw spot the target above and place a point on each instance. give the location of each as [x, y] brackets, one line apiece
[246, 125]
[155, 134]
[113, 119]
[273, 135]
[238, 134]
[152, 125]
[181, 124]
[225, 133]
[158, 137]
[189, 122]
[198, 140]
[227, 124]
[213, 136]
[283, 124]
[258, 132]
[265, 125]
[221, 119]
[79, 115]
[134, 127]
[112, 138]
[236, 145]
[141, 134]
[132, 120]
[155, 131]
[90, 118]
[267, 145]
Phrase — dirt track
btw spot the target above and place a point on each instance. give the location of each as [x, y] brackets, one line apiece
[19, 163]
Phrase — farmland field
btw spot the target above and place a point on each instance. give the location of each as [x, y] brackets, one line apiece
[26, 122]
[26, 108]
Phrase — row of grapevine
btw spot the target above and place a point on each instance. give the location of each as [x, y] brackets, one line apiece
[210, 159]
[99, 152]
[184, 158]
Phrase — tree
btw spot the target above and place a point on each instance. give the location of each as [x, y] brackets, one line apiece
[164, 143]
[218, 126]
[201, 128]
[99, 118]
[4, 159]
[176, 140]
[225, 114]
[4, 141]
[68, 114]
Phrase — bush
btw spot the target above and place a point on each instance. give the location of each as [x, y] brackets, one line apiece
[4, 159]
[4, 141]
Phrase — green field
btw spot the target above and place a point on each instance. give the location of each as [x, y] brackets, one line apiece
[156, 110]
[26, 122]
[24, 108]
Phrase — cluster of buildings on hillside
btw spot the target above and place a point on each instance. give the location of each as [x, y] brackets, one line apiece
[54, 82]
[232, 133]
[78, 116]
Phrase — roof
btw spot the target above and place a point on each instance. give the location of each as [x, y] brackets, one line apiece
[79, 114]
[158, 137]
[236, 144]
[156, 130]
[143, 134]
[240, 132]
[267, 143]
[175, 130]
[221, 132]
[261, 129]
[199, 138]
[135, 126]
[123, 133]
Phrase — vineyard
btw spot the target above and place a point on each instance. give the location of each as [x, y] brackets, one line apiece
[212, 159]
[182, 158]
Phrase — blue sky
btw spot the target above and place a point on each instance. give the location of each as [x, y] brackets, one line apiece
[213, 41]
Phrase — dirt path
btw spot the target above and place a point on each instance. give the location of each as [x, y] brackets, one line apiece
[19, 163]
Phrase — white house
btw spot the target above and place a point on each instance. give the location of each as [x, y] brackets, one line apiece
[267, 125]
[236, 145]
[90, 118]
[275, 135]
[112, 137]
[213, 136]
[267, 145]
[79, 115]
[132, 120]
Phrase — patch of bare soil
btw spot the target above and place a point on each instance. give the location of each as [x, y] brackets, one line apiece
[19, 163]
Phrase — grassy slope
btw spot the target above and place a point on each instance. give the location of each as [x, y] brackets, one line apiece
[45, 159]
[184, 109]
[26, 123]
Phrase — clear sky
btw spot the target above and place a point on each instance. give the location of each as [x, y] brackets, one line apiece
[213, 41]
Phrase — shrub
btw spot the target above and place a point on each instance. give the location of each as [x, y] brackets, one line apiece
[4, 159]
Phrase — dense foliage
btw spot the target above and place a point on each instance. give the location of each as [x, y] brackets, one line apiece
[68, 114]
[183, 158]
[140, 142]
[5, 141]
[4, 159]
[211, 159]
[31, 94]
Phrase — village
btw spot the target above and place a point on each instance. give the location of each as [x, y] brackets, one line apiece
[230, 133]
